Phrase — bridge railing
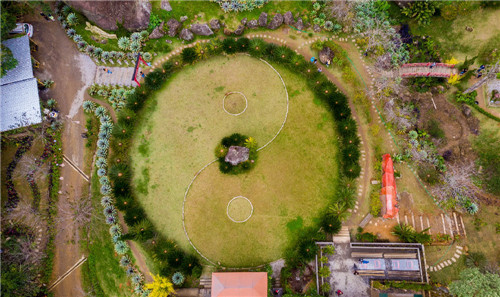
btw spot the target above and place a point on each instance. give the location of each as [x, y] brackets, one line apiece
[429, 74]
[428, 64]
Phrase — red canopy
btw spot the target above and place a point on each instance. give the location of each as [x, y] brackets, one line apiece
[388, 193]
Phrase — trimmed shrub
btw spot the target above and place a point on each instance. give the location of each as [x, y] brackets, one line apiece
[242, 44]
[190, 262]
[350, 154]
[189, 55]
[352, 170]
[155, 79]
[229, 46]
[256, 47]
[175, 258]
[133, 215]
[330, 223]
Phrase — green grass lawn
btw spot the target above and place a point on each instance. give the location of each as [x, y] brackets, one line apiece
[293, 177]
[102, 274]
[458, 42]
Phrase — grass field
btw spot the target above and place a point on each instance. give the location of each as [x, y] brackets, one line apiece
[293, 178]
[459, 42]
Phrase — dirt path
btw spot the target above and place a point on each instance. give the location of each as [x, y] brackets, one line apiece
[71, 71]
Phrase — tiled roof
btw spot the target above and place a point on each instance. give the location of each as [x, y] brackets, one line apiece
[239, 284]
[20, 105]
[20, 48]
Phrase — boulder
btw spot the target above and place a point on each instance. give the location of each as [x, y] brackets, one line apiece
[165, 5]
[252, 24]
[316, 28]
[239, 30]
[157, 32]
[275, 22]
[263, 19]
[288, 18]
[173, 27]
[186, 34]
[201, 29]
[228, 32]
[299, 24]
[214, 24]
[244, 21]
[326, 54]
[467, 112]
[133, 15]
[183, 18]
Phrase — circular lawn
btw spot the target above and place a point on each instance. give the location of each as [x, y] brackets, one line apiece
[291, 182]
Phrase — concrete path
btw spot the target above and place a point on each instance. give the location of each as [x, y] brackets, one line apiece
[119, 76]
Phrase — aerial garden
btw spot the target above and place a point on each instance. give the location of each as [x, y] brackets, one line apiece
[257, 131]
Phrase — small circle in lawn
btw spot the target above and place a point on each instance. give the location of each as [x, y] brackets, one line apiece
[234, 103]
[239, 209]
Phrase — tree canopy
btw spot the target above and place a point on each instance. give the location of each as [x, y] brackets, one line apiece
[474, 283]
[160, 287]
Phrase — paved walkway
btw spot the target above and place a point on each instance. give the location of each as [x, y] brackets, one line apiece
[119, 76]
[446, 263]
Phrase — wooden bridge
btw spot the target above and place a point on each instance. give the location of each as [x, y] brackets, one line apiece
[425, 70]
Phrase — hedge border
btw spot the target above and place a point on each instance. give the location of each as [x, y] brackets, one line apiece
[335, 101]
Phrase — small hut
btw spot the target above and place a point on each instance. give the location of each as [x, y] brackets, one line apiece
[237, 154]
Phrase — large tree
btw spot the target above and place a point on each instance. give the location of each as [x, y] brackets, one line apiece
[473, 283]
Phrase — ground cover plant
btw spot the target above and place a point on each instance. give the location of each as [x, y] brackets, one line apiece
[143, 184]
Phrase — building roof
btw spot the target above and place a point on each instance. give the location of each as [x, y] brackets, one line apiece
[236, 284]
[20, 48]
[237, 154]
[20, 104]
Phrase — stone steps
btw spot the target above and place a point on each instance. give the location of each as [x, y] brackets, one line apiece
[343, 236]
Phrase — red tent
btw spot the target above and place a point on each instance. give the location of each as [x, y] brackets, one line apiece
[388, 193]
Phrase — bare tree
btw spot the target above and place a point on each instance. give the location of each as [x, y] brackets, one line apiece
[78, 211]
[458, 182]
[341, 10]
[26, 215]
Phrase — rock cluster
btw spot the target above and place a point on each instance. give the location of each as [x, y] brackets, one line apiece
[133, 15]
[201, 29]
[173, 27]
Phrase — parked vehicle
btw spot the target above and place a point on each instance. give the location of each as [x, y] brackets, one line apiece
[23, 28]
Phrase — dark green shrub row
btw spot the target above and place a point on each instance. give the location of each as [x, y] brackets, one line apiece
[164, 251]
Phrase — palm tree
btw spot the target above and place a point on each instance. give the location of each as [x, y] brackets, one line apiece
[405, 232]
[339, 209]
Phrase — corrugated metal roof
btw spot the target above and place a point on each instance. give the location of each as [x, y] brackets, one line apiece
[20, 48]
[20, 105]
[239, 284]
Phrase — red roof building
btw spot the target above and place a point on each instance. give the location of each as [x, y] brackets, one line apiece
[388, 193]
[239, 284]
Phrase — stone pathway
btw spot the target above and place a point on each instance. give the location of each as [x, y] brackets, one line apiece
[119, 76]
[446, 263]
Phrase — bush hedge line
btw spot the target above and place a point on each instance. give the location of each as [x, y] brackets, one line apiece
[164, 251]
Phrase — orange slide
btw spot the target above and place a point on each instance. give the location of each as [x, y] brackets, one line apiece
[388, 193]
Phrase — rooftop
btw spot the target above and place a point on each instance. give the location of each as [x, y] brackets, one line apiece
[20, 104]
[234, 284]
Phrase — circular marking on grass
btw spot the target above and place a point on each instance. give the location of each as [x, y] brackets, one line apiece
[238, 206]
[213, 161]
[234, 105]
